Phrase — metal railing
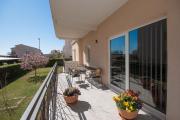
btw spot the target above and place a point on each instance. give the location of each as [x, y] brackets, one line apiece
[43, 104]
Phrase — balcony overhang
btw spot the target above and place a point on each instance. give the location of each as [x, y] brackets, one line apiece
[73, 19]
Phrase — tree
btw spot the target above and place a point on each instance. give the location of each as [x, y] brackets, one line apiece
[32, 61]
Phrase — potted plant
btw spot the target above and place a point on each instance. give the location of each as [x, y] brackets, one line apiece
[71, 95]
[128, 104]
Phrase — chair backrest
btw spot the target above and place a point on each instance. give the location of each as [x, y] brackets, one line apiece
[70, 65]
[98, 72]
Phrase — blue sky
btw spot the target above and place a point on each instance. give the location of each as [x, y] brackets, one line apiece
[118, 44]
[133, 37]
[23, 22]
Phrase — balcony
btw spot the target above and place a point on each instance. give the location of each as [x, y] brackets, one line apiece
[95, 101]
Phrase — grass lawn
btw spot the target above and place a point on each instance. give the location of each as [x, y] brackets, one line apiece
[22, 87]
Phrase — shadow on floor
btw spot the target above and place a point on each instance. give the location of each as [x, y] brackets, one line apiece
[98, 85]
[80, 107]
[84, 86]
[80, 82]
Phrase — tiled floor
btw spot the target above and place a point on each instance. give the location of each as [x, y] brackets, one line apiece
[95, 103]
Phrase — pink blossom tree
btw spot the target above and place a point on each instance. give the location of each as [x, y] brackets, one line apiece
[32, 61]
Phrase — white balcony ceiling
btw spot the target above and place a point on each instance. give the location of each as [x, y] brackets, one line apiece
[73, 19]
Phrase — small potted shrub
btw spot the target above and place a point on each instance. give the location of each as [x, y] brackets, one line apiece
[128, 104]
[71, 95]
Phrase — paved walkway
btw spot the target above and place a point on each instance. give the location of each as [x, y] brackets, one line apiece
[95, 103]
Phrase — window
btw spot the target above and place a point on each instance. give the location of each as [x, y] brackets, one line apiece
[117, 56]
[148, 63]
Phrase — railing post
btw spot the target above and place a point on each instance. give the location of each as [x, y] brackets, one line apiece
[54, 93]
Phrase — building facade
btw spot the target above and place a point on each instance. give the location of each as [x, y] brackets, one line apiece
[136, 45]
[20, 50]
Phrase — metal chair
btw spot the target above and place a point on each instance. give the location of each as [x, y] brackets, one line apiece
[94, 74]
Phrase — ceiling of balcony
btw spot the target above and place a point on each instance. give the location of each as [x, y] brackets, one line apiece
[75, 18]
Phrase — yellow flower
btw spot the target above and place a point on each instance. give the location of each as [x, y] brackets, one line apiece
[116, 98]
[131, 108]
[126, 104]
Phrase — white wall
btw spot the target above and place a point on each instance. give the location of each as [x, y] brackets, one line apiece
[173, 77]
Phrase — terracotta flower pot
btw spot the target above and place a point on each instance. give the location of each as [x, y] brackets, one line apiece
[71, 99]
[128, 115]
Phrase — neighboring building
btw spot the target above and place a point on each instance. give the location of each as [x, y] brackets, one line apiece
[67, 50]
[135, 42]
[20, 50]
[47, 55]
[4, 59]
[8, 58]
[55, 51]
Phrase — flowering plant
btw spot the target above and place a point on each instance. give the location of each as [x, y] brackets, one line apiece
[32, 61]
[71, 91]
[128, 100]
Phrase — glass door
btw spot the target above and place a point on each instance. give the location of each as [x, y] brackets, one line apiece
[148, 64]
[140, 63]
[117, 62]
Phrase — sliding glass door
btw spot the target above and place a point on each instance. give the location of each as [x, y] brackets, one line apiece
[148, 62]
[144, 67]
[117, 56]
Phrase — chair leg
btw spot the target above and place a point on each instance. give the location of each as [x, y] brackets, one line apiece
[71, 77]
[101, 81]
[91, 81]
[80, 77]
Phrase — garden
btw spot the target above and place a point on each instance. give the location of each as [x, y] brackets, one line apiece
[19, 83]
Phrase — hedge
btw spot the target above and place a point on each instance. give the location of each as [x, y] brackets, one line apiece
[10, 72]
[51, 62]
